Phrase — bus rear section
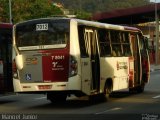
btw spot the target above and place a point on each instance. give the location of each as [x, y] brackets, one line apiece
[6, 85]
[42, 62]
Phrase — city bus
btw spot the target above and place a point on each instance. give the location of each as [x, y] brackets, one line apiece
[6, 82]
[65, 56]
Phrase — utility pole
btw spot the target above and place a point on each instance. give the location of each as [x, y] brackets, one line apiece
[157, 34]
[10, 12]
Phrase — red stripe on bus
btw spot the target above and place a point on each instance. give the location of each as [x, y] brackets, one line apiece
[131, 72]
[55, 66]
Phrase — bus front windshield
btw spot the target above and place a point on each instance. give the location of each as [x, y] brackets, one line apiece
[44, 35]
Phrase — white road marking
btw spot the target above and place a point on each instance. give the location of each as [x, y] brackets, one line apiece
[113, 109]
[155, 97]
[40, 98]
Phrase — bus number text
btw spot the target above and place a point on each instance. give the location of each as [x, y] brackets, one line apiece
[41, 27]
[58, 57]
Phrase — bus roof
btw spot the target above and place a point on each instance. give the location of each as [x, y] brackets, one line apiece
[90, 23]
[99, 25]
[108, 26]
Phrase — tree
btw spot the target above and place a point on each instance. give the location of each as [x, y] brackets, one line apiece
[4, 11]
[31, 9]
[93, 6]
[28, 9]
[83, 15]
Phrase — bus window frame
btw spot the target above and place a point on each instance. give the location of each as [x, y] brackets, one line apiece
[82, 43]
[104, 44]
[116, 43]
[126, 44]
[44, 46]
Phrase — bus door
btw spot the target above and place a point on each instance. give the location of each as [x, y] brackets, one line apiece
[144, 59]
[91, 41]
[136, 55]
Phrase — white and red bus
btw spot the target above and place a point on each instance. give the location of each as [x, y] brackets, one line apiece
[6, 82]
[63, 56]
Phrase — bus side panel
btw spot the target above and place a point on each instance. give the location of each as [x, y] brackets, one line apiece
[115, 68]
[123, 70]
[106, 71]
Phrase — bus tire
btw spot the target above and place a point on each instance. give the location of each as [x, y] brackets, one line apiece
[108, 88]
[140, 88]
[132, 90]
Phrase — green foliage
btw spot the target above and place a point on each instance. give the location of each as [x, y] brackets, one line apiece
[32, 9]
[4, 11]
[83, 15]
[120, 4]
[93, 6]
[28, 9]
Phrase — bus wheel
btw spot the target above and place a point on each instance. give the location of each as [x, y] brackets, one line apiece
[108, 89]
[55, 98]
[132, 90]
[140, 88]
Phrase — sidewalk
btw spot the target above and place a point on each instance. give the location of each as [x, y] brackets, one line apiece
[154, 67]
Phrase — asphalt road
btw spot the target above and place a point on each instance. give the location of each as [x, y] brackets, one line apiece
[121, 105]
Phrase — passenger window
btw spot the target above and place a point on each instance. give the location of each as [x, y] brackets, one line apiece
[81, 35]
[126, 44]
[116, 43]
[115, 37]
[126, 50]
[116, 50]
[104, 40]
[142, 46]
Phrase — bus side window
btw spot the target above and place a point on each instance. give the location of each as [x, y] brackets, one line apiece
[126, 44]
[105, 50]
[116, 43]
[142, 46]
[126, 50]
[116, 50]
[81, 36]
[104, 40]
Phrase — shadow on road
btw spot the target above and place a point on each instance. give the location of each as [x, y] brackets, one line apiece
[81, 103]
[68, 104]
[121, 94]
[71, 103]
[6, 101]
